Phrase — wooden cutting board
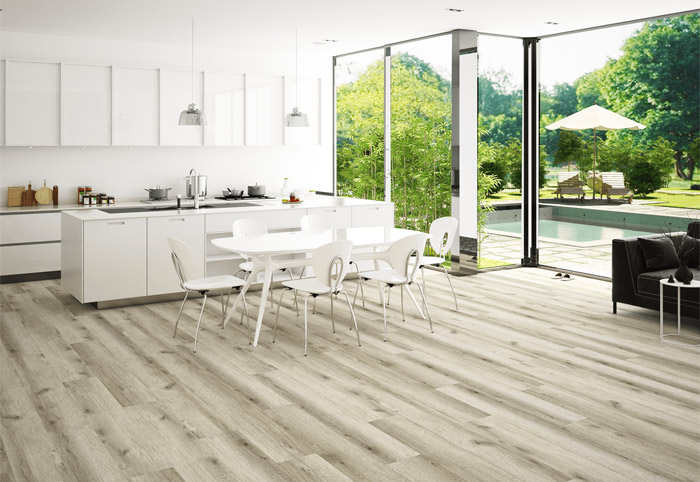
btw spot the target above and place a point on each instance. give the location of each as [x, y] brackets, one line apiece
[14, 196]
[28, 196]
[44, 195]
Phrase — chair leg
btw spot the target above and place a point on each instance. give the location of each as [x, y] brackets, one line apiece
[352, 312]
[403, 317]
[359, 285]
[180, 313]
[314, 308]
[247, 318]
[332, 320]
[306, 331]
[303, 270]
[279, 305]
[426, 307]
[196, 334]
[388, 298]
[413, 298]
[381, 291]
[454, 295]
[422, 276]
[296, 303]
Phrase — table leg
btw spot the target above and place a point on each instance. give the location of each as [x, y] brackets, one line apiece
[661, 311]
[679, 309]
[263, 296]
[249, 281]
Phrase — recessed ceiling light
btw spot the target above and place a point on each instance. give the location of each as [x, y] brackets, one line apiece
[551, 23]
[455, 10]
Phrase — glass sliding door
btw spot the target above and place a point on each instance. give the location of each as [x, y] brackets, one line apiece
[421, 109]
[359, 83]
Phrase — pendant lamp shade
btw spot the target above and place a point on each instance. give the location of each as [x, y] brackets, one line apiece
[192, 116]
[296, 118]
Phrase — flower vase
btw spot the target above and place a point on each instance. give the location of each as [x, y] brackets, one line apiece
[684, 274]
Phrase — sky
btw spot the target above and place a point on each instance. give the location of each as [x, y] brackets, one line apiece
[562, 59]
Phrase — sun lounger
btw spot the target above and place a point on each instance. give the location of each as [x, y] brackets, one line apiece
[614, 185]
[569, 183]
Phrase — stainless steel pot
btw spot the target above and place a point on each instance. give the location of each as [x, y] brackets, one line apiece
[256, 190]
[158, 192]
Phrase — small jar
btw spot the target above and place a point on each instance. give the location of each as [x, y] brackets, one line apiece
[81, 192]
[86, 200]
[110, 199]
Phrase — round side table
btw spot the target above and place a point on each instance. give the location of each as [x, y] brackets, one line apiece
[671, 337]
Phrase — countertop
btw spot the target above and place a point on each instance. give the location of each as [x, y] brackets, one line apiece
[98, 213]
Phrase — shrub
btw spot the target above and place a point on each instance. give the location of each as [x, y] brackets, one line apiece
[644, 178]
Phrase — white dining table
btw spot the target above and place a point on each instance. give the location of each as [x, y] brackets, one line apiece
[261, 249]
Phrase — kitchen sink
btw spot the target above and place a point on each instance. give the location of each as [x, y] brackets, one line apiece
[157, 209]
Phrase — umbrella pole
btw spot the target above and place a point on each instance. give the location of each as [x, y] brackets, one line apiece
[595, 154]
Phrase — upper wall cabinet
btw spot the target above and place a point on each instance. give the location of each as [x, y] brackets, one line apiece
[264, 110]
[2, 103]
[224, 98]
[176, 91]
[135, 106]
[305, 94]
[86, 105]
[33, 103]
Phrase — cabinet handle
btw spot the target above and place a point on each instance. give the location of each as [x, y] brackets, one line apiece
[117, 222]
[177, 219]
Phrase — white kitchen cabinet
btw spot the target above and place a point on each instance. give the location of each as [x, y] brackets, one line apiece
[339, 216]
[3, 63]
[86, 105]
[161, 274]
[33, 103]
[264, 110]
[289, 217]
[305, 94]
[224, 104]
[135, 97]
[176, 90]
[374, 215]
[30, 243]
[114, 259]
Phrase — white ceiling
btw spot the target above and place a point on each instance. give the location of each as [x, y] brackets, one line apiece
[356, 24]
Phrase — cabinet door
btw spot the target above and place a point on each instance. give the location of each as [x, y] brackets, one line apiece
[86, 105]
[375, 215]
[3, 63]
[114, 259]
[340, 217]
[264, 110]
[135, 102]
[161, 274]
[33, 103]
[176, 92]
[224, 105]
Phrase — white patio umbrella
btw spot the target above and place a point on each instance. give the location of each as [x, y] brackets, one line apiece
[599, 119]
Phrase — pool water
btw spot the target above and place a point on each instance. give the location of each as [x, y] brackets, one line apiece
[571, 231]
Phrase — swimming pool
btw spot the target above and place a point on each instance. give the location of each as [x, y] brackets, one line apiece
[568, 231]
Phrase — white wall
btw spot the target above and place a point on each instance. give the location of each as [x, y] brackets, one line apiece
[123, 171]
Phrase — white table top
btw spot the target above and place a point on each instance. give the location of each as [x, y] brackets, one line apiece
[303, 242]
[693, 283]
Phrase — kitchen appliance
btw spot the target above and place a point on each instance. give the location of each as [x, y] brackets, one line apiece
[256, 190]
[190, 185]
[158, 192]
[243, 196]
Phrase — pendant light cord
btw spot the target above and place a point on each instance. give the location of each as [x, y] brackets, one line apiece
[192, 75]
[296, 67]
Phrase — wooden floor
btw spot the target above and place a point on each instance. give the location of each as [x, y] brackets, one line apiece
[532, 380]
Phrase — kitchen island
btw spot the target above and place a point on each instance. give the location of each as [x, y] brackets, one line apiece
[109, 255]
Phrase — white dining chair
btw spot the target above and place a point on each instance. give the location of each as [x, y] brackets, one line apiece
[252, 227]
[402, 272]
[330, 263]
[185, 264]
[442, 233]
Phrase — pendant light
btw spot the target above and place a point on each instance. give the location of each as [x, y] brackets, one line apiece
[192, 116]
[296, 118]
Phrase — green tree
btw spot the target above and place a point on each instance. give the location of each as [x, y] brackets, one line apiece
[656, 81]
[568, 150]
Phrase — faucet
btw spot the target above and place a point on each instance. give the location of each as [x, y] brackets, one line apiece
[195, 187]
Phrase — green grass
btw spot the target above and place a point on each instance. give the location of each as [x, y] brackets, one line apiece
[485, 263]
[686, 201]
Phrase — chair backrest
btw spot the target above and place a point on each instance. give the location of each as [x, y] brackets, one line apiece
[248, 227]
[184, 263]
[401, 251]
[613, 179]
[325, 258]
[314, 222]
[442, 233]
[568, 179]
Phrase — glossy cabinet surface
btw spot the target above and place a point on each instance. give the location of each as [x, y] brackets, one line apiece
[135, 118]
[86, 105]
